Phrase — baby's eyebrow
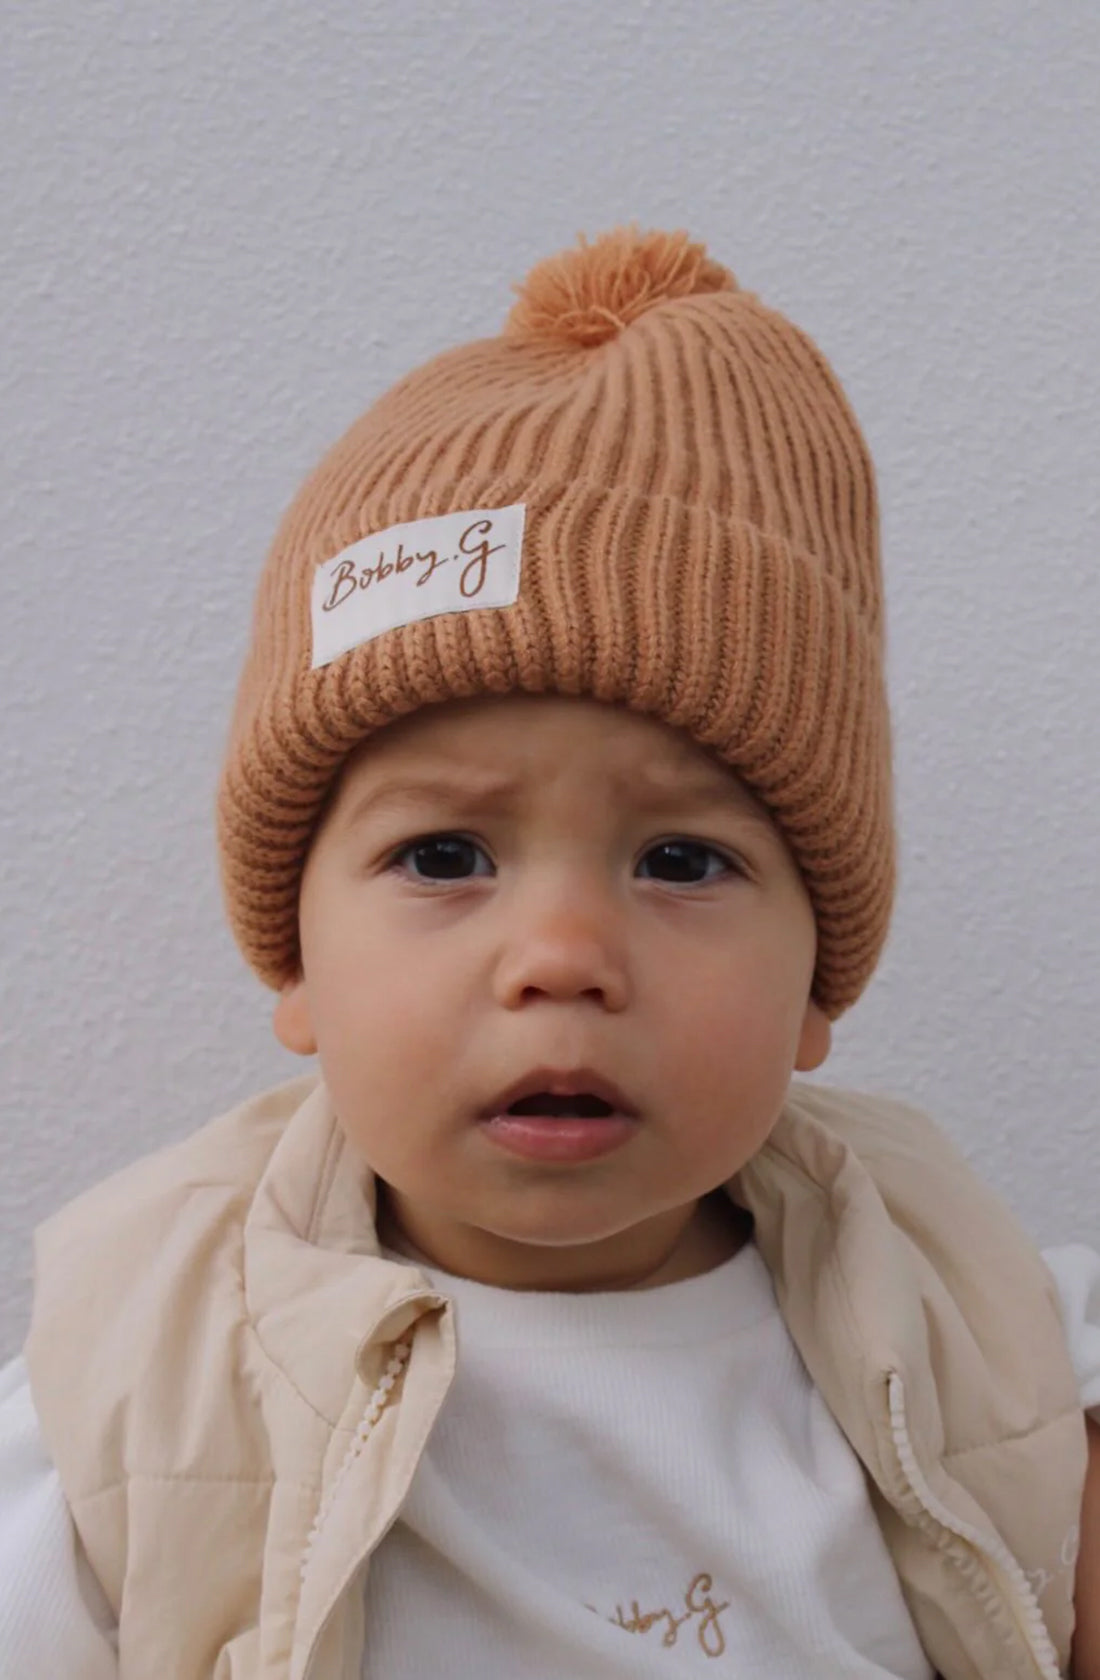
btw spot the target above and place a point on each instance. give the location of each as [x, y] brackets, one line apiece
[650, 791]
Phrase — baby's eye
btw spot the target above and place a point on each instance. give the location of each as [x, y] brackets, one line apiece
[685, 862]
[440, 857]
[453, 857]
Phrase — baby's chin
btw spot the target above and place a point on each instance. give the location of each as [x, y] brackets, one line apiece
[629, 1244]
[559, 1220]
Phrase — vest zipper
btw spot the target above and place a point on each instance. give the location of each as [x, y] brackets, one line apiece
[375, 1407]
[1015, 1584]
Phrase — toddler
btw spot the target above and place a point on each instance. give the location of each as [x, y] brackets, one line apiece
[554, 1330]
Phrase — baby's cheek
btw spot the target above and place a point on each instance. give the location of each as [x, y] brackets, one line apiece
[737, 1029]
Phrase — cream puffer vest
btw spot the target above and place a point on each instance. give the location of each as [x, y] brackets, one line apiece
[236, 1387]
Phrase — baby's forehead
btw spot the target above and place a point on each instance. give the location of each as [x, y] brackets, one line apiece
[499, 745]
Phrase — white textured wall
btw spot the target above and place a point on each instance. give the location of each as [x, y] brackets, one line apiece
[230, 226]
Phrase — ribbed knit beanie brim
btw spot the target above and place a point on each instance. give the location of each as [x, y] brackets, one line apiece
[664, 500]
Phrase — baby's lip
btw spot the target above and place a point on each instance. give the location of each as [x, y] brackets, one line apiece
[572, 1082]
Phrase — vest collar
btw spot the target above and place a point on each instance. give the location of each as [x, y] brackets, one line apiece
[322, 1299]
[846, 1279]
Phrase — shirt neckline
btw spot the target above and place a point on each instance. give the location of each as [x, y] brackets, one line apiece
[732, 1297]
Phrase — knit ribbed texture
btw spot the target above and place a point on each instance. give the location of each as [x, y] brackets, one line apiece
[701, 544]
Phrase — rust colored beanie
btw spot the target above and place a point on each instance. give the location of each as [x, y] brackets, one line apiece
[649, 489]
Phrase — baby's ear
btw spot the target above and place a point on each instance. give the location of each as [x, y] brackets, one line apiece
[292, 1019]
[815, 1040]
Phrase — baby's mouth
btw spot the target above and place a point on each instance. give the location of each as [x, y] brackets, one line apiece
[565, 1094]
[561, 1118]
[583, 1106]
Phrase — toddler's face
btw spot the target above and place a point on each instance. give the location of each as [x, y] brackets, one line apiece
[541, 894]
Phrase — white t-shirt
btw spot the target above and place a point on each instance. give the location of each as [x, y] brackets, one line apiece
[629, 1484]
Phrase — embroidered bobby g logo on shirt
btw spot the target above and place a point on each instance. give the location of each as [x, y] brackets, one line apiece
[451, 563]
[699, 1609]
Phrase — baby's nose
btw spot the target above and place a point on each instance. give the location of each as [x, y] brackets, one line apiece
[564, 953]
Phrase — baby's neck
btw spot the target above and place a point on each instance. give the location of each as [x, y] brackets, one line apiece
[716, 1231]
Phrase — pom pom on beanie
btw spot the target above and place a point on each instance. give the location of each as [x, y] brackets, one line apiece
[589, 293]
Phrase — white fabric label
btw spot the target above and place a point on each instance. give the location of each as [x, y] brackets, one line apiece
[452, 563]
